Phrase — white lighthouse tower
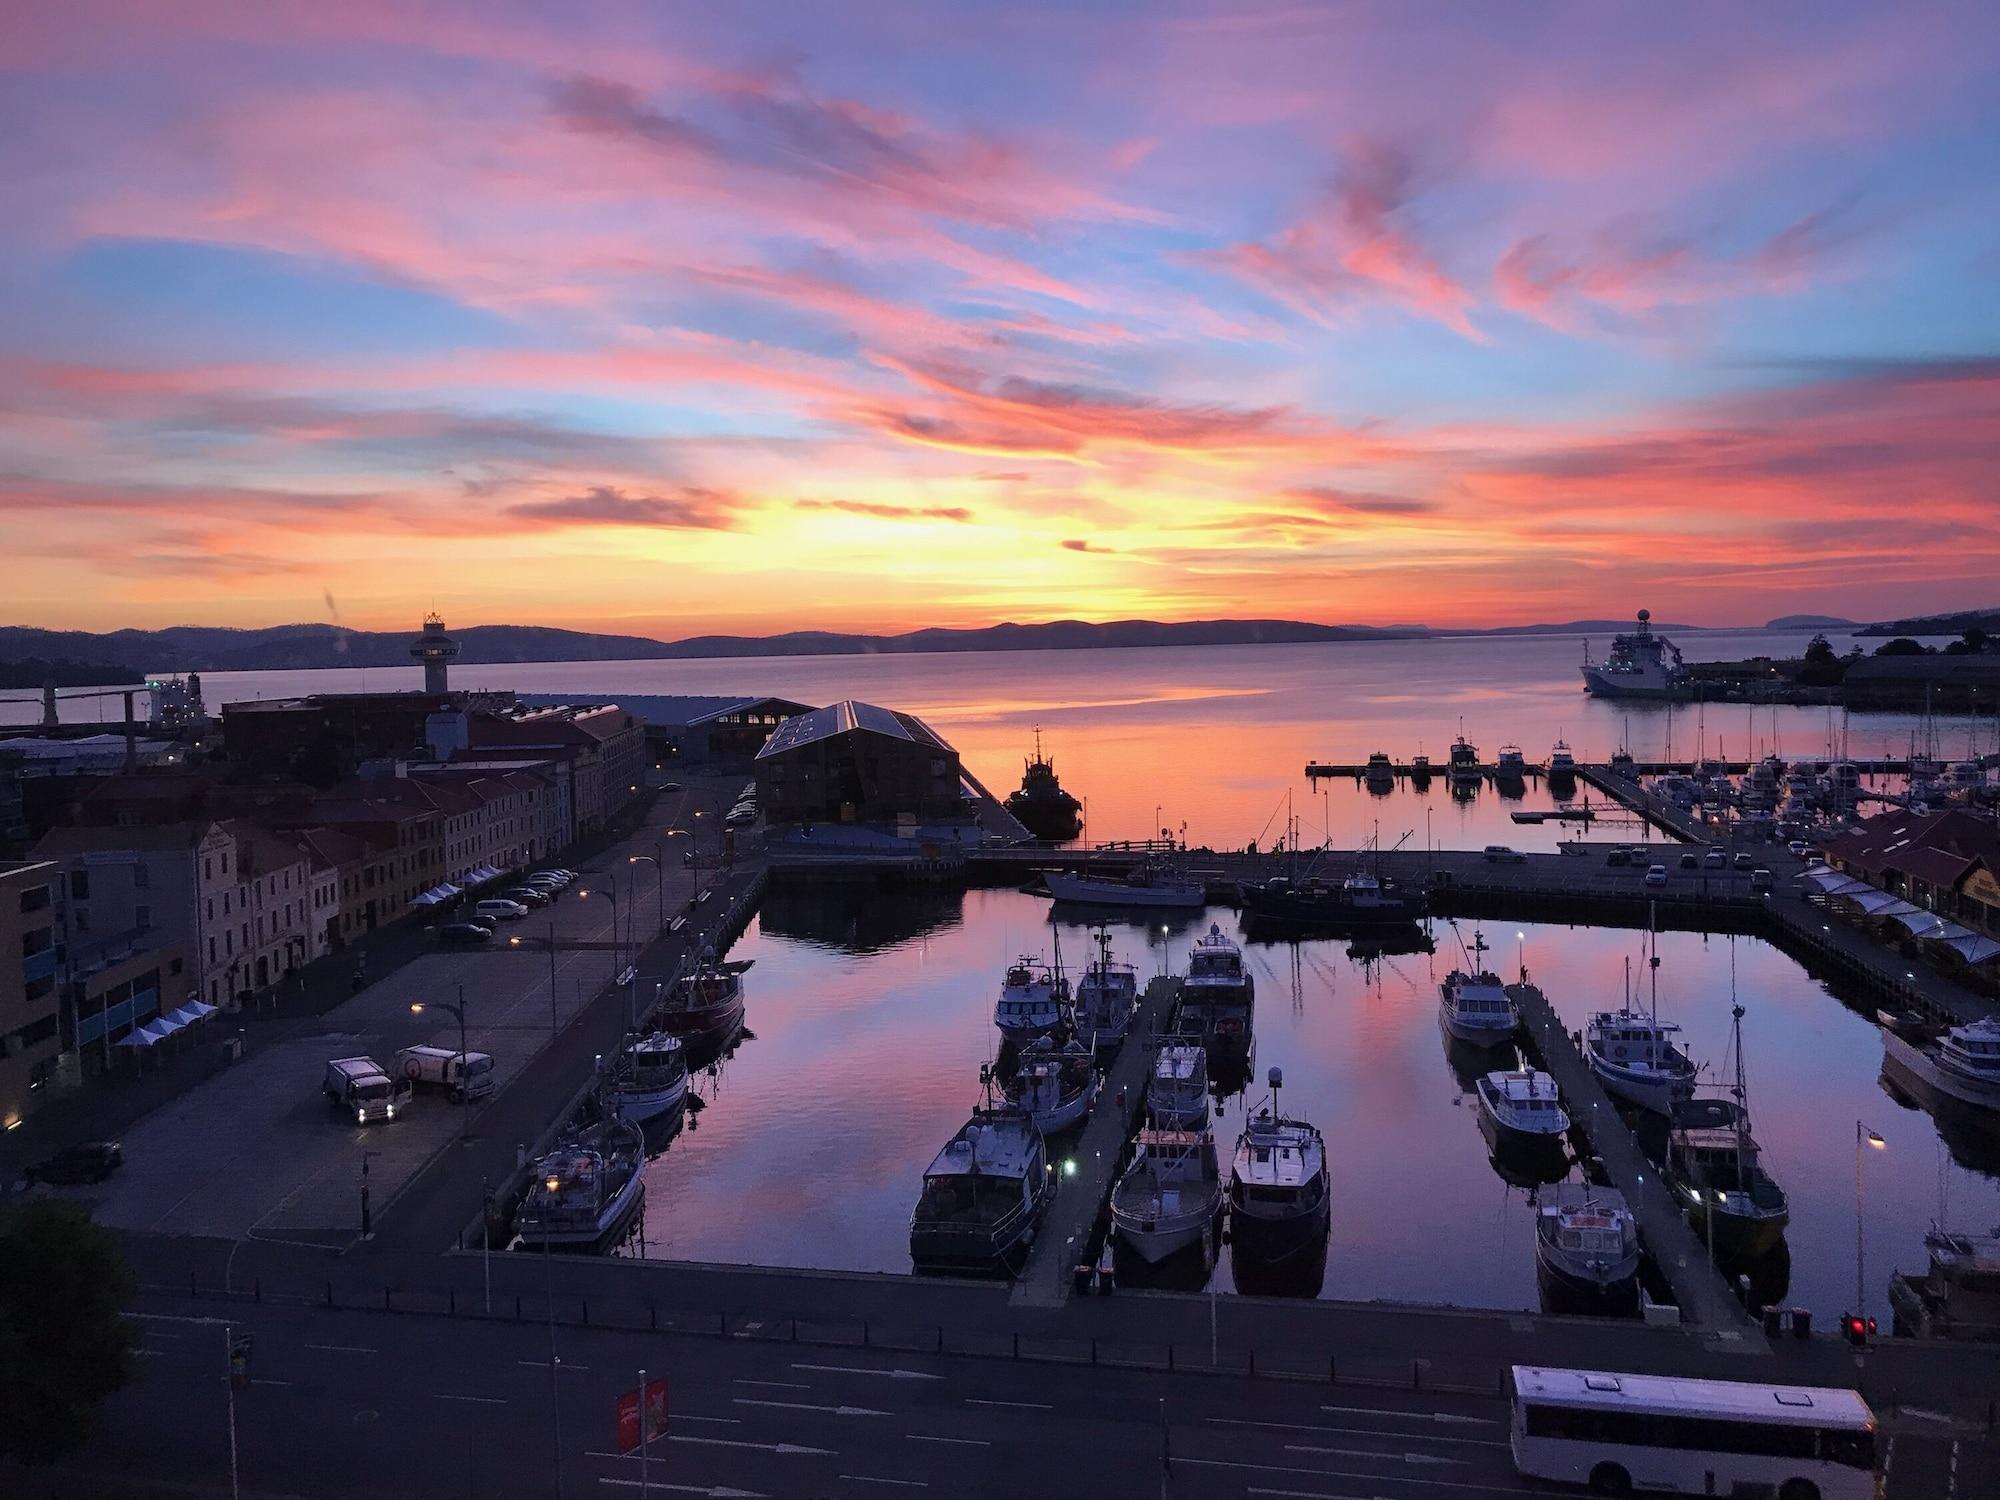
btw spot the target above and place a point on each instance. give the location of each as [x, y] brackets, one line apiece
[435, 650]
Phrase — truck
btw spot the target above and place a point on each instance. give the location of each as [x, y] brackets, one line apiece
[358, 1086]
[466, 1076]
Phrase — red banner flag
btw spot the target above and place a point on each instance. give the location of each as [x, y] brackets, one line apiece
[630, 1437]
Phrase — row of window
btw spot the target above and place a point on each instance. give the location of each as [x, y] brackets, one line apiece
[1703, 1434]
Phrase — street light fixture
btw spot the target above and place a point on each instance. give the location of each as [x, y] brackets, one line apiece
[659, 863]
[611, 895]
[464, 1081]
[1863, 1137]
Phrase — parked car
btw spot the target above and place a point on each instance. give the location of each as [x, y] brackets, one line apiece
[1618, 857]
[464, 932]
[1715, 859]
[1500, 854]
[1796, 848]
[1760, 880]
[1657, 875]
[557, 878]
[91, 1161]
[499, 906]
[528, 895]
[1744, 861]
[672, 786]
[1690, 862]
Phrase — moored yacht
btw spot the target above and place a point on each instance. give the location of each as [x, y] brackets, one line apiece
[706, 1003]
[1961, 1061]
[1279, 1204]
[1106, 997]
[1054, 1088]
[1170, 1196]
[1715, 1168]
[586, 1191]
[1420, 770]
[1587, 1249]
[1475, 1006]
[1634, 1054]
[1562, 763]
[1464, 764]
[984, 1196]
[1512, 765]
[1521, 1112]
[646, 1077]
[1218, 995]
[1177, 1090]
[1153, 883]
[1030, 1004]
[1380, 772]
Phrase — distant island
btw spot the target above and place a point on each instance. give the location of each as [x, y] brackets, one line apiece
[287, 648]
[1987, 620]
[37, 671]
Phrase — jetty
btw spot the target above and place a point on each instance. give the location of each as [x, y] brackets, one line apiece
[1705, 1300]
[1070, 1229]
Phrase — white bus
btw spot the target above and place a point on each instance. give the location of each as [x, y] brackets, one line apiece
[1620, 1433]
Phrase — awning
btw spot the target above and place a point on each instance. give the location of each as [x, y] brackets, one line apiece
[1974, 947]
[428, 898]
[1878, 903]
[1834, 883]
[187, 1015]
[200, 1008]
[1916, 921]
[147, 1035]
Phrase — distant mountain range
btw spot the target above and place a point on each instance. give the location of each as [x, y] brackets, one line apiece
[1987, 620]
[201, 648]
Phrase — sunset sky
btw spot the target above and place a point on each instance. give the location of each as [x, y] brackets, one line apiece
[670, 319]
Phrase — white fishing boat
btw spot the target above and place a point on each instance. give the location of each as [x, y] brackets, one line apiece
[984, 1195]
[586, 1191]
[1054, 1088]
[1587, 1249]
[1473, 1003]
[1463, 767]
[1562, 761]
[1106, 997]
[1031, 1002]
[1218, 995]
[1152, 883]
[1634, 1054]
[1279, 1203]
[1520, 1110]
[1170, 1196]
[1512, 765]
[1177, 1091]
[647, 1077]
[1962, 1062]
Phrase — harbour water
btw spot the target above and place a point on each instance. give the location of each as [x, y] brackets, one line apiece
[871, 1020]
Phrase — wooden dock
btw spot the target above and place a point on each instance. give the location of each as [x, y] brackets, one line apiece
[1704, 1298]
[1099, 1153]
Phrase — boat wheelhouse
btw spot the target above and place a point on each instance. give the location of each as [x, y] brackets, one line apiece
[1280, 1206]
[1169, 1196]
[984, 1196]
[1177, 1090]
[1106, 997]
[1031, 1002]
[586, 1192]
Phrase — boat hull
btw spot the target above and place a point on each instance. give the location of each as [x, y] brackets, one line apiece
[1577, 1289]
[634, 1106]
[1021, 1035]
[1083, 890]
[1293, 909]
[1527, 1150]
[1256, 1240]
[1923, 1066]
[1648, 1091]
[606, 1229]
[1476, 1031]
[972, 1250]
[1067, 1115]
[1738, 1236]
[1154, 1240]
[701, 1022]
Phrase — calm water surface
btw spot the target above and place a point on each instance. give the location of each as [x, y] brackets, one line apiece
[871, 1022]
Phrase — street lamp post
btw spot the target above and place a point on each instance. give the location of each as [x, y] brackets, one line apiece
[659, 863]
[611, 895]
[1863, 1138]
[464, 1087]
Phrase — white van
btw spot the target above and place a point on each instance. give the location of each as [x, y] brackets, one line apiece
[1500, 854]
[506, 911]
[441, 1068]
[358, 1086]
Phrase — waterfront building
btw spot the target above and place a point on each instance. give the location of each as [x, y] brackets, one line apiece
[721, 733]
[603, 744]
[1947, 862]
[29, 1031]
[856, 762]
[325, 737]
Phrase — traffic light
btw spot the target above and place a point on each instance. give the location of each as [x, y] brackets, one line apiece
[1859, 1329]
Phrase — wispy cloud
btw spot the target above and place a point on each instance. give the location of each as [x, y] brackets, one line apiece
[604, 505]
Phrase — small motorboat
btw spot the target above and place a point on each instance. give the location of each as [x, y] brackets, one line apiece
[1177, 1092]
[1279, 1204]
[1473, 1003]
[1054, 1088]
[1031, 1003]
[1170, 1196]
[1520, 1112]
[646, 1077]
[1218, 995]
[1587, 1250]
[586, 1191]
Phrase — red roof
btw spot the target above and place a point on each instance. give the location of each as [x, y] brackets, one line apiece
[1939, 848]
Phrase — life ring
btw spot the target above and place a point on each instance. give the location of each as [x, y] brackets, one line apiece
[412, 1069]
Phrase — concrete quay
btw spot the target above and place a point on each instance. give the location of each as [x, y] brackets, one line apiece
[1704, 1298]
[1069, 1229]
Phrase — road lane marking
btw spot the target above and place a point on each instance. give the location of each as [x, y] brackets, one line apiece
[925, 1437]
[1408, 1458]
[908, 1484]
[183, 1318]
[838, 1411]
[479, 1400]
[1017, 1405]
[688, 1416]
[343, 1349]
[150, 1353]
[561, 1364]
[776, 1385]
[716, 1442]
[270, 1382]
[1414, 1416]
[1463, 1442]
[714, 1491]
[1311, 1494]
[870, 1370]
[1459, 1485]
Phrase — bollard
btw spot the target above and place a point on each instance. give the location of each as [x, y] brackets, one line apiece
[1017, 1346]
[586, 1311]
[864, 1333]
[722, 1324]
[191, 1291]
[517, 1307]
[1253, 1361]
[1416, 1374]
[940, 1349]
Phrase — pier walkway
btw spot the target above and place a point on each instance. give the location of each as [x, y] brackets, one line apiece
[1099, 1153]
[1705, 1300]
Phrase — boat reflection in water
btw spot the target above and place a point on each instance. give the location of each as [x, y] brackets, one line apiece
[855, 918]
[1972, 1136]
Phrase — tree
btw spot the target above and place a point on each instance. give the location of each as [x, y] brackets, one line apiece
[1819, 652]
[1971, 643]
[1902, 645]
[64, 1345]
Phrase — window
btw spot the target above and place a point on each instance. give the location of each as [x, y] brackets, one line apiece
[36, 988]
[210, 913]
[211, 950]
[176, 966]
[142, 875]
[207, 870]
[36, 899]
[36, 940]
[142, 916]
[225, 903]
[79, 885]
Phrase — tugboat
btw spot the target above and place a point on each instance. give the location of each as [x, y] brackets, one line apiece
[1473, 1003]
[586, 1191]
[1041, 805]
[1522, 1116]
[1218, 996]
[1055, 1089]
[1170, 1196]
[984, 1195]
[1634, 1055]
[647, 1077]
[1714, 1169]
[1177, 1091]
[1279, 1205]
[1031, 1002]
[1587, 1250]
[1106, 997]
[706, 1004]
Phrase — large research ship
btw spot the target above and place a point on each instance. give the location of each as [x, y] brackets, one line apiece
[1641, 665]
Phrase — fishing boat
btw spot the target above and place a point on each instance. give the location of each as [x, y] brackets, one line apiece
[1562, 764]
[1151, 883]
[1961, 1062]
[1169, 1196]
[1177, 1090]
[984, 1195]
[1521, 1114]
[1473, 1003]
[1420, 770]
[1054, 1088]
[1218, 995]
[1279, 1204]
[1380, 771]
[1361, 899]
[706, 1003]
[1106, 997]
[1634, 1054]
[1041, 805]
[1716, 1170]
[1587, 1249]
[1464, 762]
[647, 1077]
[586, 1192]
[1031, 1002]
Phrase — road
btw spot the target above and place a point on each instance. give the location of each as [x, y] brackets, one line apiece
[354, 1403]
